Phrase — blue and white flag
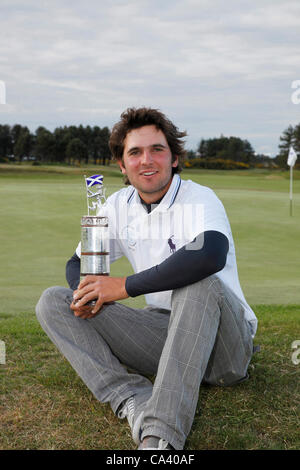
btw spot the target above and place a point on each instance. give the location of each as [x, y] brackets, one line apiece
[92, 180]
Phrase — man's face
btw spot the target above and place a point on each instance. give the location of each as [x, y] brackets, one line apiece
[147, 162]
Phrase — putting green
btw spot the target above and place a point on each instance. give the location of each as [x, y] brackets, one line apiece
[40, 227]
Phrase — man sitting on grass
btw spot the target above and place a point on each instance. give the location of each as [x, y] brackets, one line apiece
[197, 326]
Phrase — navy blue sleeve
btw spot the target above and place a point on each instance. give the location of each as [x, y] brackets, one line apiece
[73, 271]
[197, 260]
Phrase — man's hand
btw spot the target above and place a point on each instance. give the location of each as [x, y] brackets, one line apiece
[103, 289]
[83, 312]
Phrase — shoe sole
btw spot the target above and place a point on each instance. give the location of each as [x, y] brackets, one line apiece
[136, 430]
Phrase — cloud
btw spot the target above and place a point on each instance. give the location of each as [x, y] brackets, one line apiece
[213, 67]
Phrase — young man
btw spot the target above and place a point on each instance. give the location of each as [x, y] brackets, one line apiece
[197, 326]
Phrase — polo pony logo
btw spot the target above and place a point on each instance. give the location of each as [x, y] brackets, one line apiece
[171, 245]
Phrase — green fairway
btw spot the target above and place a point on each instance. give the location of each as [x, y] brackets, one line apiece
[41, 210]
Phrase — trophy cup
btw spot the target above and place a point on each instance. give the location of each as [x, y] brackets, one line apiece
[94, 232]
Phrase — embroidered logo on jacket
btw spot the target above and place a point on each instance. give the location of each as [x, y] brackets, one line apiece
[171, 245]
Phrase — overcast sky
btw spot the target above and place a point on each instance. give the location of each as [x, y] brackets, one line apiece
[213, 67]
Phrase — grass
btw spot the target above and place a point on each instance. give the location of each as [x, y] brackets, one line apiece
[44, 405]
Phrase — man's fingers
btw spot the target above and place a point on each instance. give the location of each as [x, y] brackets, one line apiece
[85, 311]
[85, 299]
[97, 306]
[85, 314]
[85, 281]
[85, 293]
[82, 312]
[79, 293]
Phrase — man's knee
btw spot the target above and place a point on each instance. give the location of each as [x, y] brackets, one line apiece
[194, 291]
[50, 298]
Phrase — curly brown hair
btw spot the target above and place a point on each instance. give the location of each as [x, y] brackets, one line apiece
[134, 118]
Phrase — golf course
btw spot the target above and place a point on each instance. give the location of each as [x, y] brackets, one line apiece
[44, 404]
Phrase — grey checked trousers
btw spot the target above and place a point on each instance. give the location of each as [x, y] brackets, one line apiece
[205, 338]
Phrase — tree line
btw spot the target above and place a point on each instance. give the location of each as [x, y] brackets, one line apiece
[71, 144]
[226, 153]
[68, 144]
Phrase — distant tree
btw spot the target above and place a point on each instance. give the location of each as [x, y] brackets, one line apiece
[226, 148]
[15, 132]
[76, 151]
[62, 137]
[202, 148]
[24, 144]
[105, 154]
[6, 145]
[84, 134]
[44, 145]
[296, 141]
[95, 144]
[89, 142]
[287, 139]
[249, 152]
[190, 154]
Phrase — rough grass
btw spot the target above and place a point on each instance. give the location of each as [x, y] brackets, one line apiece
[45, 405]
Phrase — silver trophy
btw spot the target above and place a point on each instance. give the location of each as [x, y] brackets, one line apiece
[94, 232]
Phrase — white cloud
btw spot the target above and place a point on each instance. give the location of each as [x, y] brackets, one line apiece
[272, 15]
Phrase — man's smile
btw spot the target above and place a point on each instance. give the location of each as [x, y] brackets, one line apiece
[148, 173]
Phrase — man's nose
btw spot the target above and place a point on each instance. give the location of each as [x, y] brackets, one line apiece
[146, 157]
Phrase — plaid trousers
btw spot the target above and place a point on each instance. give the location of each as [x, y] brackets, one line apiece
[204, 338]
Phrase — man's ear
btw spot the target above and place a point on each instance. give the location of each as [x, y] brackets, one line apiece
[122, 168]
[175, 161]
